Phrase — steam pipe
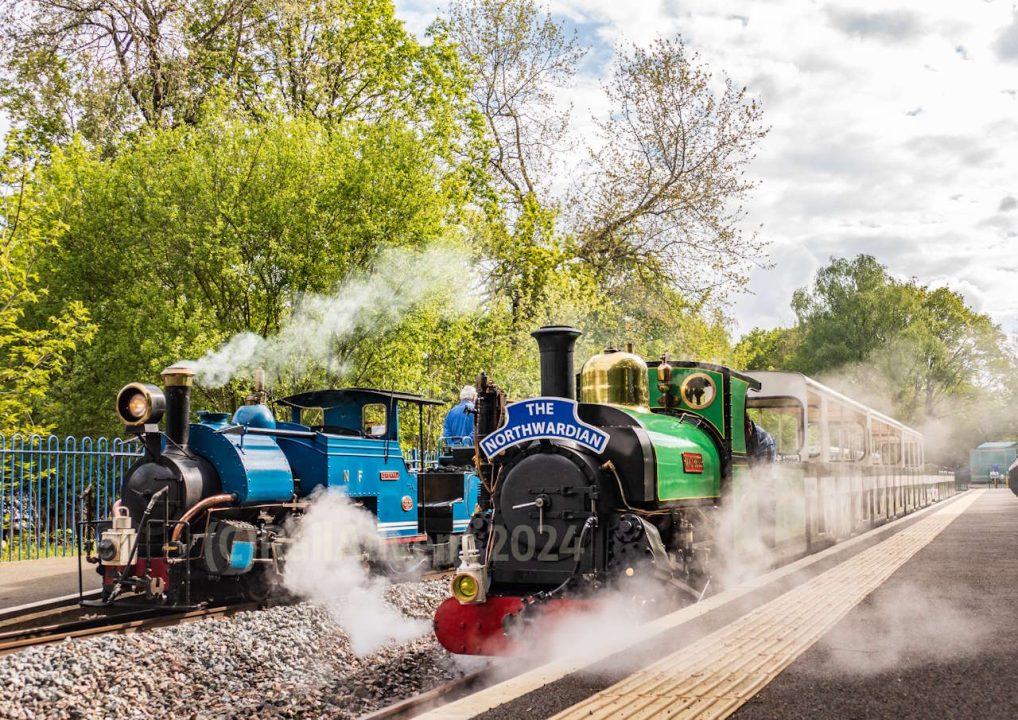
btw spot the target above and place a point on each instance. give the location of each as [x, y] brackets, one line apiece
[198, 507]
[557, 373]
[489, 414]
[178, 380]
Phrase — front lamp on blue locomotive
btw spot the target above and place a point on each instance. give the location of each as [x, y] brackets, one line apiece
[140, 403]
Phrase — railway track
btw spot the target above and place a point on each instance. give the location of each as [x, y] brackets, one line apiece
[438, 574]
[127, 622]
[51, 609]
[54, 619]
[433, 698]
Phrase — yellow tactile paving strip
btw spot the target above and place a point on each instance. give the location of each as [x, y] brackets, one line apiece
[714, 676]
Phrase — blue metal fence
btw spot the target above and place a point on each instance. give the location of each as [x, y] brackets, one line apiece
[43, 483]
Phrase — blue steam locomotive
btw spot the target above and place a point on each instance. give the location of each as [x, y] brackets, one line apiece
[207, 512]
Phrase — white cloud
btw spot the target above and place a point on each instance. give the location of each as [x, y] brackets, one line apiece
[890, 25]
[1007, 42]
[894, 131]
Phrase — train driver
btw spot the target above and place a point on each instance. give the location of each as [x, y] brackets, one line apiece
[760, 446]
[458, 429]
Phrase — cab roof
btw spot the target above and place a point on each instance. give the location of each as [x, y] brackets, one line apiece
[344, 396]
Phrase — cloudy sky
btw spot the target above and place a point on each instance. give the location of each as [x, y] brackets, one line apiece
[894, 130]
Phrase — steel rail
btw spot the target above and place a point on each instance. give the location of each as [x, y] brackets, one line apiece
[430, 699]
[14, 640]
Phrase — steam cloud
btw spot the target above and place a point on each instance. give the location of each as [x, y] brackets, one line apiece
[377, 301]
[326, 564]
[742, 528]
[609, 622]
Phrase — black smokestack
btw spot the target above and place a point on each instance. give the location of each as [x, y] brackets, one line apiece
[177, 380]
[557, 375]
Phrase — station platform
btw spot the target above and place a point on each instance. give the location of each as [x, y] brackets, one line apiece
[28, 581]
[915, 619]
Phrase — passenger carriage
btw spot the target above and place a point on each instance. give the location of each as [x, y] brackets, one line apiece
[842, 467]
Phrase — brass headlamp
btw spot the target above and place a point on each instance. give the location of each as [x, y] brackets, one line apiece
[140, 403]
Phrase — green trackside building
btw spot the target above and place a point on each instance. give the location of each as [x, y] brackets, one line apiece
[989, 456]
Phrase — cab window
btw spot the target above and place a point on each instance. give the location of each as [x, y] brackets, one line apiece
[373, 420]
[312, 416]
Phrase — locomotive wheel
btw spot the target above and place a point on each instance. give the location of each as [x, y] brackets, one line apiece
[257, 586]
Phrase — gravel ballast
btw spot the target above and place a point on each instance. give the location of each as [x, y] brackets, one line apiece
[285, 662]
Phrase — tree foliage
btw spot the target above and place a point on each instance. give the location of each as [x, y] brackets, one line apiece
[656, 209]
[927, 342]
[519, 57]
[105, 69]
[31, 356]
[193, 235]
[852, 309]
[761, 349]
[206, 166]
[664, 188]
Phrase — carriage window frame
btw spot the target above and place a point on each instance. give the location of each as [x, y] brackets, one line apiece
[814, 431]
[848, 437]
[889, 443]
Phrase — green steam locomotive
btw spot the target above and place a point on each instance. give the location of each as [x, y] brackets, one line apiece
[624, 486]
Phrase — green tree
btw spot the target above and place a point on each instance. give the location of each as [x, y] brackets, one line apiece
[852, 309]
[192, 235]
[925, 345]
[519, 56]
[761, 349]
[663, 192]
[919, 353]
[106, 69]
[649, 237]
[230, 158]
[215, 165]
[32, 354]
[957, 353]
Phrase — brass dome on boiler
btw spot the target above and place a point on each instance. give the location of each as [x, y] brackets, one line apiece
[615, 378]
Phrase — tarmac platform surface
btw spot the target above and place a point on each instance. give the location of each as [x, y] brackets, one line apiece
[916, 619]
[939, 639]
[29, 581]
